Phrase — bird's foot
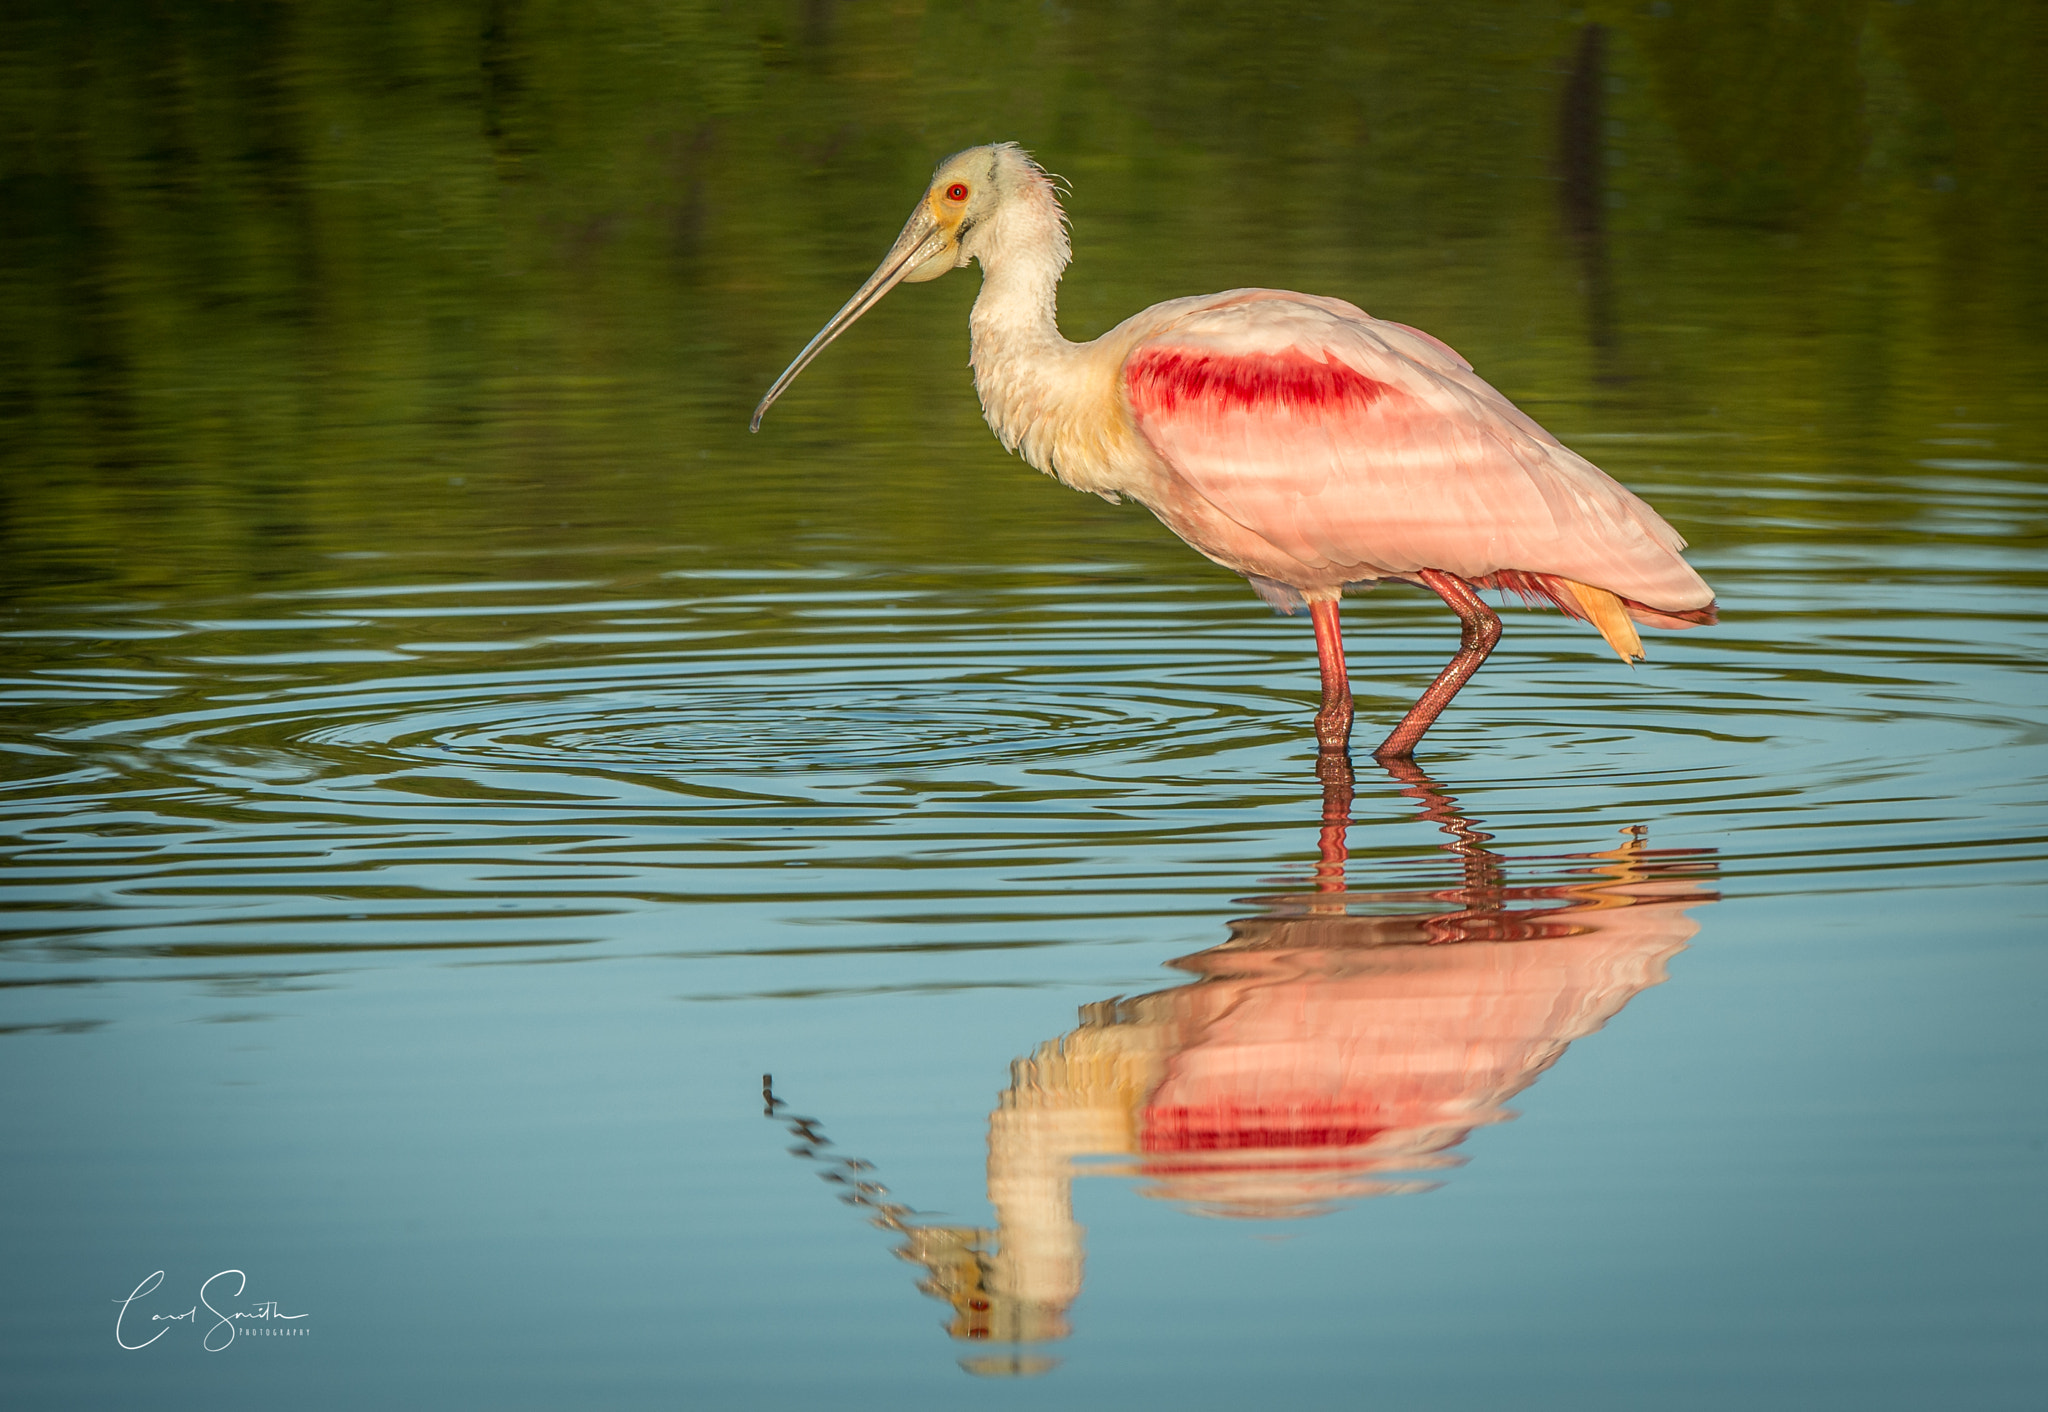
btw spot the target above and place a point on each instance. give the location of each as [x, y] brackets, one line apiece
[1333, 730]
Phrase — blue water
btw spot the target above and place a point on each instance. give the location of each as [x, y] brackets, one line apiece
[419, 954]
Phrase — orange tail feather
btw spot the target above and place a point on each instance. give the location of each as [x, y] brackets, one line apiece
[1604, 611]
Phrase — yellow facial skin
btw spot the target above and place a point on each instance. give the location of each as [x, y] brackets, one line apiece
[947, 204]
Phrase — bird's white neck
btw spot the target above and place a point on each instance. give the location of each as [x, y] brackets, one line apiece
[1022, 257]
[1018, 353]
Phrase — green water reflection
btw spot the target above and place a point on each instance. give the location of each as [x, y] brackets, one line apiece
[282, 282]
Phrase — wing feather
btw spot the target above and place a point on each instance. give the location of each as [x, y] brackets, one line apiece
[1351, 443]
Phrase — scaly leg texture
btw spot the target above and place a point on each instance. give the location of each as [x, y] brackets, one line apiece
[1333, 722]
[1482, 631]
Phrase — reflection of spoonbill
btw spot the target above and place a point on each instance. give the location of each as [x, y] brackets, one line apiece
[1293, 438]
[1340, 1044]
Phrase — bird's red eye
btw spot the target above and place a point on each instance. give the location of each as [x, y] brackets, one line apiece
[956, 192]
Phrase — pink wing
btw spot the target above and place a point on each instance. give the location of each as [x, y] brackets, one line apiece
[1347, 441]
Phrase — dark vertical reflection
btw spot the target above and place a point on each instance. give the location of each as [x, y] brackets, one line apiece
[1340, 1045]
[504, 62]
[1582, 187]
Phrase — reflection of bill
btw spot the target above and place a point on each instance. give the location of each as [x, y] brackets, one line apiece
[1337, 1046]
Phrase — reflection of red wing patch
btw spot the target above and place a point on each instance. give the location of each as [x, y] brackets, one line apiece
[1226, 1127]
[1162, 381]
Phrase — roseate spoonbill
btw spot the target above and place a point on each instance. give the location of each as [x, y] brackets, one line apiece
[1291, 437]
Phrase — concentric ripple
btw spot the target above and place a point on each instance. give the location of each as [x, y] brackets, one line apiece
[1041, 757]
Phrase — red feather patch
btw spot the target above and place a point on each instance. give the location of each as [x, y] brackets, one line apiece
[1161, 381]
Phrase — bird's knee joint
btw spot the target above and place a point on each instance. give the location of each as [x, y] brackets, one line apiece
[1482, 641]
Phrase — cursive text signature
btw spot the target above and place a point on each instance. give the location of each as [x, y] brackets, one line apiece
[227, 1323]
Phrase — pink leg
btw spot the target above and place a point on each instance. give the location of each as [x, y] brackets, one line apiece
[1333, 722]
[1482, 631]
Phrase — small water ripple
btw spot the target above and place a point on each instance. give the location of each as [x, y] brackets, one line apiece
[564, 762]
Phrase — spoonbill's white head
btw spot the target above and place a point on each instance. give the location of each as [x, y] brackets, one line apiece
[956, 220]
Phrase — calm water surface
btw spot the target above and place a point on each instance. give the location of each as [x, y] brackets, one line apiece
[447, 762]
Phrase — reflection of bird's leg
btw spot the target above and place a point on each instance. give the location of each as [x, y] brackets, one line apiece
[1335, 772]
[1485, 880]
[1333, 722]
[1441, 809]
[1482, 631]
